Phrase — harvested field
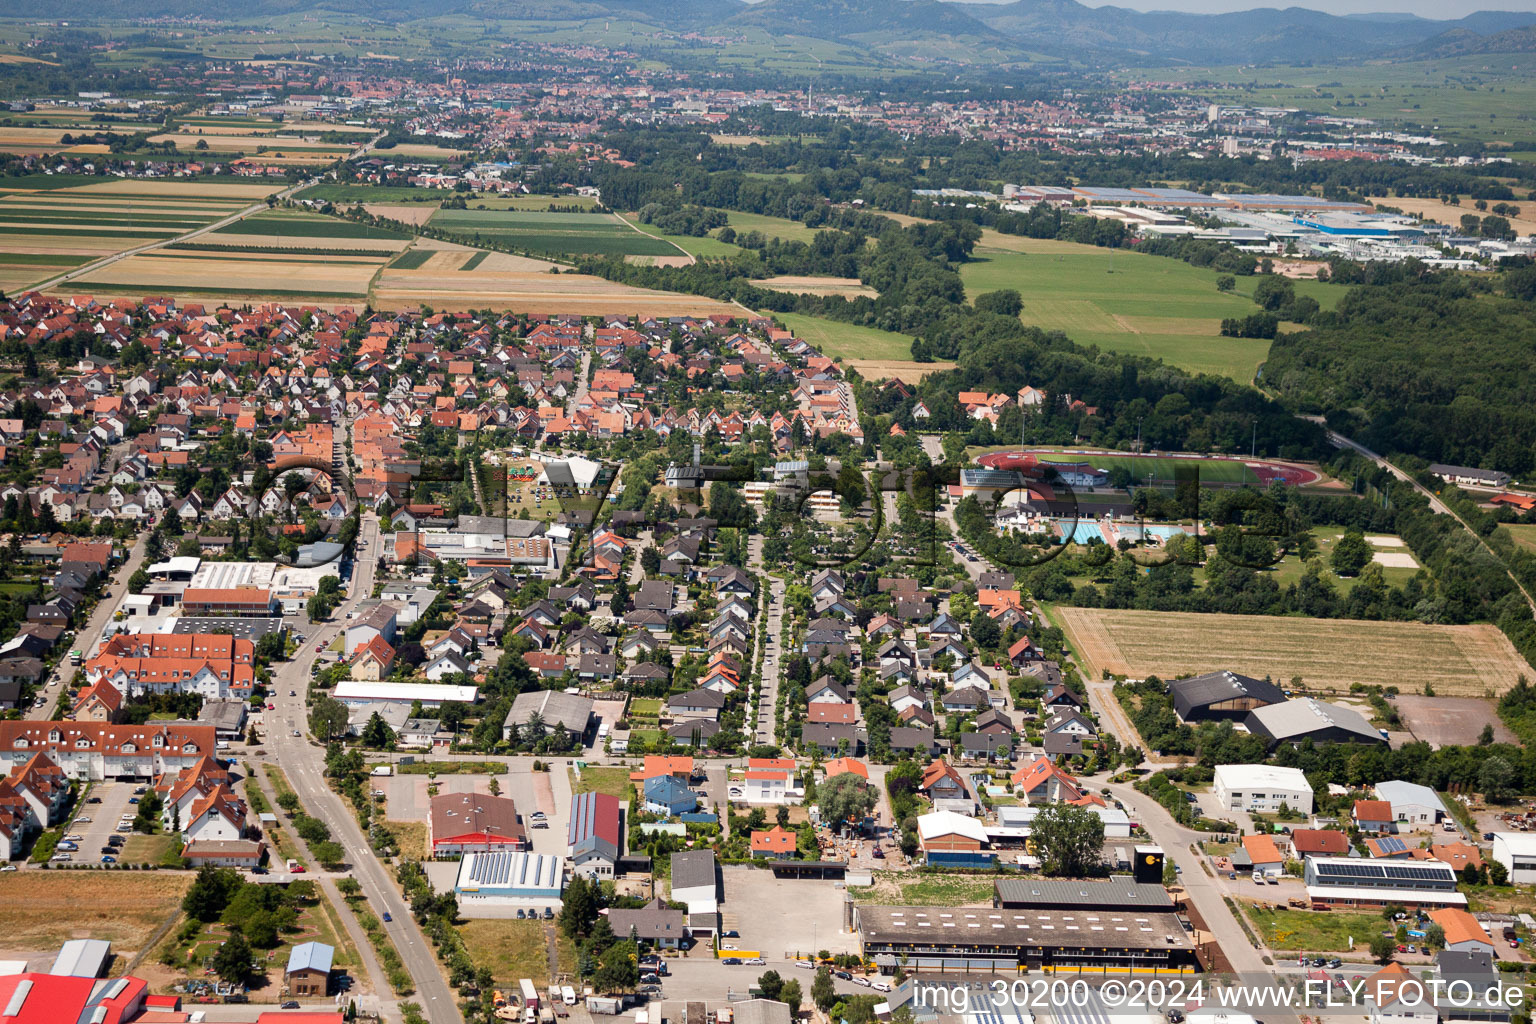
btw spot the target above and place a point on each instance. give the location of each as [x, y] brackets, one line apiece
[1328, 654]
[184, 189]
[532, 293]
[384, 246]
[289, 145]
[1445, 213]
[1450, 721]
[414, 213]
[47, 908]
[506, 263]
[881, 369]
[849, 287]
[168, 273]
[32, 140]
[660, 261]
[424, 151]
[557, 234]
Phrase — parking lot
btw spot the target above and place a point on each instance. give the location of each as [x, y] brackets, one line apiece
[114, 798]
[807, 914]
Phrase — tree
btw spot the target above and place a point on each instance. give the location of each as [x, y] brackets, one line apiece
[1005, 302]
[771, 984]
[579, 912]
[618, 969]
[232, 960]
[984, 630]
[1351, 553]
[1225, 283]
[148, 818]
[845, 797]
[348, 886]
[328, 719]
[790, 994]
[1434, 936]
[1070, 840]
[377, 733]
[1498, 874]
[1383, 947]
[329, 853]
[823, 992]
[1496, 778]
[209, 893]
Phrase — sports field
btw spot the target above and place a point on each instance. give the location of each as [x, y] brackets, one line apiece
[1157, 470]
[1328, 654]
[848, 341]
[557, 234]
[1119, 300]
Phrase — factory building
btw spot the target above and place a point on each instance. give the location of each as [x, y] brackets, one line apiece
[1047, 925]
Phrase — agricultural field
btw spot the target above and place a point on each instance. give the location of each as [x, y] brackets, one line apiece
[772, 227]
[696, 247]
[286, 148]
[847, 287]
[1466, 98]
[556, 234]
[835, 339]
[50, 230]
[306, 227]
[47, 908]
[456, 277]
[1328, 654]
[1445, 213]
[246, 276]
[1119, 300]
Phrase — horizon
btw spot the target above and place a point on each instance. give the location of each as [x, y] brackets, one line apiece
[1450, 10]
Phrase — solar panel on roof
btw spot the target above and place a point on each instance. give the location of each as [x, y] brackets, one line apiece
[1391, 844]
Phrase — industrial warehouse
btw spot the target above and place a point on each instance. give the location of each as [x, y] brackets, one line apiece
[1115, 926]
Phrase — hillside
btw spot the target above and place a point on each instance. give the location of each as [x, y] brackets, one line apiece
[1065, 28]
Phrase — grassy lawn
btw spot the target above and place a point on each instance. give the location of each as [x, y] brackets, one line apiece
[613, 781]
[1120, 300]
[318, 921]
[701, 247]
[45, 908]
[848, 341]
[773, 227]
[411, 837]
[1308, 931]
[511, 949]
[162, 849]
[645, 707]
[1524, 534]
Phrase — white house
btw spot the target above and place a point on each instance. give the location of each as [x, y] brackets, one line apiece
[1261, 787]
[1517, 852]
[770, 780]
[1412, 803]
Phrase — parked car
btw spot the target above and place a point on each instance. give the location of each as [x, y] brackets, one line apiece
[109, 859]
[844, 975]
[258, 870]
[807, 964]
[133, 799]
[861, 980]
[84, 819]
[73, 837]
[1335, 963]
[292, 1004]
[93, 800]
[732, 934]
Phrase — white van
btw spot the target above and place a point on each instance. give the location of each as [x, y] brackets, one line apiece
[567, 995]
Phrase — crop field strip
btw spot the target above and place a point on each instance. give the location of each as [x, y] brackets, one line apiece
[1328, 654]
[558, 234]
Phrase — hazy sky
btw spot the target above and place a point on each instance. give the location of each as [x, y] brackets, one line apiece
[1442, 9]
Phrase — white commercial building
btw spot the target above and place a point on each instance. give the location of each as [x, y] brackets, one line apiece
[1412, 803]
[431, 695]
[1517, 852]
[1262, 787]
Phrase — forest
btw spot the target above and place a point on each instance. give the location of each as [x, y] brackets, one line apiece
[1436, 364]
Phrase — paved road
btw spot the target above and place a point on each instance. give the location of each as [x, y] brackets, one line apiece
[769, 693]
[302, 761]
[1203, 891]
[87, 639]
